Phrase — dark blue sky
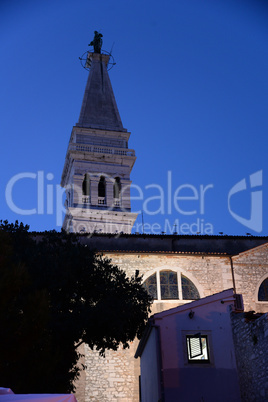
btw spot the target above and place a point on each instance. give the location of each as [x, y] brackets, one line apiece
[191, 86]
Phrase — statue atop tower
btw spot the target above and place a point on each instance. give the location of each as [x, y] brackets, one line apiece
[96, 42]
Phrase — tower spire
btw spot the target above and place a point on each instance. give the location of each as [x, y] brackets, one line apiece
[96, 173]
[99, 108]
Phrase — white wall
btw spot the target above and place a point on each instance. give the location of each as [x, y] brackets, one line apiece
[150, 370]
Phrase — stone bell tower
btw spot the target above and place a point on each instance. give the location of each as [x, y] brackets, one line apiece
[96, 173]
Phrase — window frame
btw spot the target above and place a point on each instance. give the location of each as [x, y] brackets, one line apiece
[196, 362]
[198, 336]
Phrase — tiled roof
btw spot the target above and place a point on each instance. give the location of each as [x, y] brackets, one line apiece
[171, 244]
[163, 252]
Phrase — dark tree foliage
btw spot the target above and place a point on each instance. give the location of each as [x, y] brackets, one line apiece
[56, 293]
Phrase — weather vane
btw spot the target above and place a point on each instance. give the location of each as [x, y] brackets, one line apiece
[86, 57]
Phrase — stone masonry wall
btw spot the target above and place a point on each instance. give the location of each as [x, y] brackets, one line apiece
[212, 274]
[113, 378]
[250, 268]
[251, 346]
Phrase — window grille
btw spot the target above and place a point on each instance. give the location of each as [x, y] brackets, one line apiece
[197, 348]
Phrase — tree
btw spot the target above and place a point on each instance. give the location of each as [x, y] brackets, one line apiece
[56, 293]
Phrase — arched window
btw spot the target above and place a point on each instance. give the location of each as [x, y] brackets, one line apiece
[189, 291]
[171, 285]
[86, 185]
[101, 187]
[263, 291]
[151, 286]
[117, 187]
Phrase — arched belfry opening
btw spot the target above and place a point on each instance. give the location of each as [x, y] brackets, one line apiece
[102, 187]
[117, 188]
[86, 185]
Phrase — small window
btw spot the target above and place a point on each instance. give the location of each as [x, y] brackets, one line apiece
[197, 348]
[117, 188]
[101, 187]
[263, 291]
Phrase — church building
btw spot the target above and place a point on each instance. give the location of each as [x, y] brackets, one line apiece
[177, 269]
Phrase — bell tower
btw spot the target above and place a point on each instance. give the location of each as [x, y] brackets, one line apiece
[96, 173]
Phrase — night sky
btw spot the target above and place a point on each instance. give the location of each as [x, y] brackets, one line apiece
[191, 86]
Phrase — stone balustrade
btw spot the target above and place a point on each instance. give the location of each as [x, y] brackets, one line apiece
[102, 150]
